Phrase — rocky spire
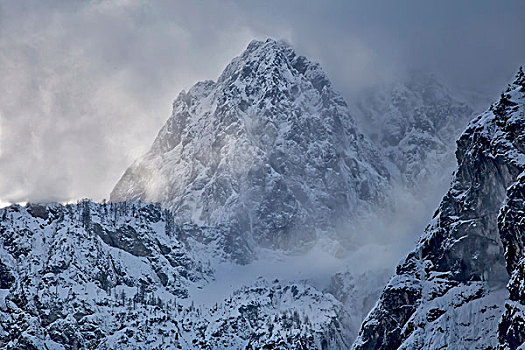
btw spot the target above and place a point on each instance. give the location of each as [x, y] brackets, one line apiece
[270, 147]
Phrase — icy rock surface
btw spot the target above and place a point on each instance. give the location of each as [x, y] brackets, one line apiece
[269, 146]
[450, 290]
[512, 228]
[512, 216]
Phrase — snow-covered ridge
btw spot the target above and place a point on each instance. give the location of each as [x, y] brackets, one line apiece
[270, 147]
[123, 275]
[70, 270]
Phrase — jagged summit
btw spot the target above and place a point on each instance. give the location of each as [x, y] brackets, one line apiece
[270, 61]
[270, 147]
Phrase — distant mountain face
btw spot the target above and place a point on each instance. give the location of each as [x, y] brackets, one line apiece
[414, 124]
[270, 147]
[450, 289]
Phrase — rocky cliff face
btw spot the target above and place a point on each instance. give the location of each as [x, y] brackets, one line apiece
[269, 146]
[511, 219]
[512, 228]
[74, 271]
[450, 289]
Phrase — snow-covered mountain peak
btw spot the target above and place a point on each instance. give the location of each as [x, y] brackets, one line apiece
[272, 64]
[270, 148]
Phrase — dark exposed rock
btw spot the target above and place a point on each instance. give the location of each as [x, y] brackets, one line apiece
[124, 237]
[512, 229]
[37, 210]
[6, 278]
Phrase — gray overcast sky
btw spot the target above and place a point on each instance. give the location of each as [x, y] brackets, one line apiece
[86, 85]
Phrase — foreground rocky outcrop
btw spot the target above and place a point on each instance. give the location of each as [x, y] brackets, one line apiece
[450, 290]
[512, 228]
